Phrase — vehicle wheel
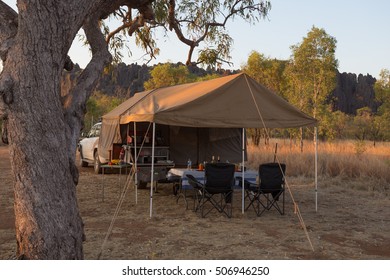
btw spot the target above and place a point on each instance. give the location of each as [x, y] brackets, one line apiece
[82, 162]
[96, 163]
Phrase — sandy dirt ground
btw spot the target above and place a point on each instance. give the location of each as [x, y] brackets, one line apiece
[351, 223]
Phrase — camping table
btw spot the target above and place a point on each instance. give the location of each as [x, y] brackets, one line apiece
[250, 175]
[160, 171]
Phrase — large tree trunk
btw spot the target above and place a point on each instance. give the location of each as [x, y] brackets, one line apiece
[48, 224]
[47, 220]
[42, 123]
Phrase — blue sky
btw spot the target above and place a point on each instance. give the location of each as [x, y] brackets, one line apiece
[361, 29]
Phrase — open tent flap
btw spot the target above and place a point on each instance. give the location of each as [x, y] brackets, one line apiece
[197, 144]
[110, 134]
[200, 144]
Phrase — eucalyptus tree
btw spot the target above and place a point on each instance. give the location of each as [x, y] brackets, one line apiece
[166, 74]
[268, 72]
[382, 94]
[311, 73]
[197, 24]
[42, 124]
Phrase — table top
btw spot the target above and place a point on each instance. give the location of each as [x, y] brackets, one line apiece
[156, 164]
[122, 165]
[200, 173]
[249, 175]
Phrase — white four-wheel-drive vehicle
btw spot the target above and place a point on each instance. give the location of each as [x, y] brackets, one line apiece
[88, 148]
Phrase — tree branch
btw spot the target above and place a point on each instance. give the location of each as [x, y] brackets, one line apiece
[8, 22]
[199, 23]
[132, 26]
[174, 25]
[145, 14]
[74, 101]
[8, 28]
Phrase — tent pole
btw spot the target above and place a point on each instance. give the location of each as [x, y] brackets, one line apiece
[152, 171]
[316, 165]
[243, 172]
[135, 163]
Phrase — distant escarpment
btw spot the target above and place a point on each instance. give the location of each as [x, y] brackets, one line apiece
[354, 92]
[351, 93]
[124, 80]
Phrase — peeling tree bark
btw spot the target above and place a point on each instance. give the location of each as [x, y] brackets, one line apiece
[48, 224]
[43, 124]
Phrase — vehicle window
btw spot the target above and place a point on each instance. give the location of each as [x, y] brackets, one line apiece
[92, 132]
[95, 131]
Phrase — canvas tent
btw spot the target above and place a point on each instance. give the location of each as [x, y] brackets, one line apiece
[235, 101]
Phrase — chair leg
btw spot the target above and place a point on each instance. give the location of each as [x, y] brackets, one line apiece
[253, 197]
[264, 206]
[228, 199]
[197, 200]
[180, 193]
[271, 201]
[222, 205]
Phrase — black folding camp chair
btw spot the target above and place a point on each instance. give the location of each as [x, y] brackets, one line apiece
[267, 193]
[217, 190]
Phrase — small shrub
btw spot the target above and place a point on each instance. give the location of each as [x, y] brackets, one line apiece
[360, 147]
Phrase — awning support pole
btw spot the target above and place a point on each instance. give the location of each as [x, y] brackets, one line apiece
[243, 171]
[316, 165]
[135, 163]
[152, 171]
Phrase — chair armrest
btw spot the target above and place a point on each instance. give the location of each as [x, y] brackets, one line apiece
[194, 183]
[247, 184]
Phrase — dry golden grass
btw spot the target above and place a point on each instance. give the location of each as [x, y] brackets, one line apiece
[348, 225]
[339, 159]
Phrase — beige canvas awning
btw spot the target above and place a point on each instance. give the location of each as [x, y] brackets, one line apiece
[231, 101]
[235, 101]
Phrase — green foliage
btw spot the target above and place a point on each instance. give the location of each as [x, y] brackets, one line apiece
[197, 24]
[267, 71]
[311, 73]
[362, 123]
[335, 125]
[311, 77]
[382, 94]
[367, 126]
[205, 21]
[166, 74]
[308, 80]
[98, 105]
